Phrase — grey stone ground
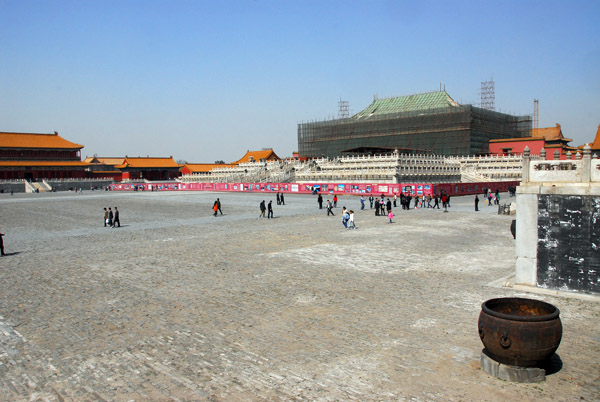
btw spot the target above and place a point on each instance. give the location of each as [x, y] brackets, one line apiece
[179, 305]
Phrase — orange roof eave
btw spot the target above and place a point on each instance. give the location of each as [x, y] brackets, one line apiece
[146, 163]
[519, 139]
[205, 167]
[257, 156]
[35, 141]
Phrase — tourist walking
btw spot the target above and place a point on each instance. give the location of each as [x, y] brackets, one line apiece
[219, 206]
[436, 202]
[388, 205]
[335, 201]
[320, 201]
[270, 210]
[329, 208]
[371, 199]
[345, 218]
[117, 220]
[281, 199]
[278, 200]
[445, 202]
[351, 224]
[105, 217]
[377, 207]
[390, 217]
[215, 209]
[2, 245]
[110, 216]
[395, 198]
[263, 209]
[476, 203]
[362, 203]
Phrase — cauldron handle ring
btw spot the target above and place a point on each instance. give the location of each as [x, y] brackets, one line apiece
[481, 333]
[505, 341]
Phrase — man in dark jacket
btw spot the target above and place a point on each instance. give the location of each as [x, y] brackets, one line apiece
[263, 208]
[270, 210]
[116, 221]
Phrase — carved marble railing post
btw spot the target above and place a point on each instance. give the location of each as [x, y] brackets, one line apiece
[526, 160]
[543, 153]
[556, 155]
[587, 164]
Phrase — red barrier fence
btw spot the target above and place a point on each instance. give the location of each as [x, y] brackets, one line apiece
[324, 188]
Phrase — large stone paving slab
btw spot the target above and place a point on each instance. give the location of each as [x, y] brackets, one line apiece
[179, 305]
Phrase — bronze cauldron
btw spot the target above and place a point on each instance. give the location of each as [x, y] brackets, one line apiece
[520, 332]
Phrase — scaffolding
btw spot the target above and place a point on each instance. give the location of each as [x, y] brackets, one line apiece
[452, 130]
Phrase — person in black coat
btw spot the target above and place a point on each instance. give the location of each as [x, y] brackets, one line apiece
[270, 210]
[320, 201]
[2, 244]
[263, 208]
[117, 220]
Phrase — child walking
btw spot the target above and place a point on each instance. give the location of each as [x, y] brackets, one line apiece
[391, 216]
[351, 224]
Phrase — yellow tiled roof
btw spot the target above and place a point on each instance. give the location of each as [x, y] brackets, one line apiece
[148, 162]
[268, 154]
[105, 161]
[549, 133]
[596, 144]
[32, 140]
[205, 167]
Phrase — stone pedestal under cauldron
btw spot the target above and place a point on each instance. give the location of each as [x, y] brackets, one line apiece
[520, 337]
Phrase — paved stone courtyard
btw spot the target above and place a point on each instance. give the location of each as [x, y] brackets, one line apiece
[179, 305]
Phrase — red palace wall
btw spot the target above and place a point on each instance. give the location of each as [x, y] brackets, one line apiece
[535, 146]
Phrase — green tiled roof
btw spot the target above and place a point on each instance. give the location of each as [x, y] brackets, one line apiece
[410, 103]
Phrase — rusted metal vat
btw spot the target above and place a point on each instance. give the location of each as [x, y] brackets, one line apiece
[520, 332]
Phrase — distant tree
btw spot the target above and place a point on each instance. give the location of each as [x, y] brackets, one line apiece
[220, 162]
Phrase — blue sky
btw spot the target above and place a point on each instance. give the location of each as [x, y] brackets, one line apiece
[208, 80]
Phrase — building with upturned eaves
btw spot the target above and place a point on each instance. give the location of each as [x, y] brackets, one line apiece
[31, 156]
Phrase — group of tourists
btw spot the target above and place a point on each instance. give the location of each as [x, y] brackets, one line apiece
[111, 219]
[266, 208]
[492, 198]
[348, 218]
[383, 205]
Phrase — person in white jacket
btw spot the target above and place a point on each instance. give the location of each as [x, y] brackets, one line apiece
[351, 220]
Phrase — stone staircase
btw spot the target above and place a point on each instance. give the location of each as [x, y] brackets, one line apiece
[37, 187]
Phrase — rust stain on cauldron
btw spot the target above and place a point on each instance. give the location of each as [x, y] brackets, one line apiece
[520, 332]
